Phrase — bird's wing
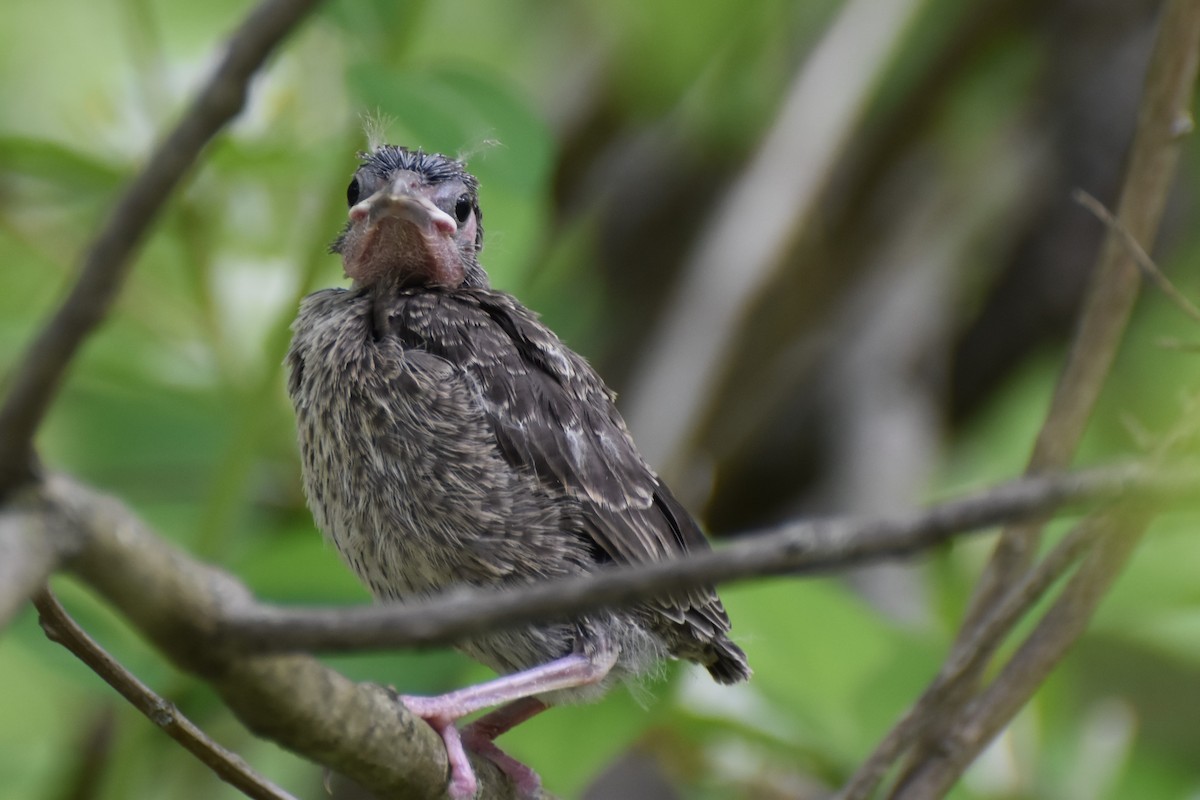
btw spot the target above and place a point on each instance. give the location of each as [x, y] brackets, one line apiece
[552, 415]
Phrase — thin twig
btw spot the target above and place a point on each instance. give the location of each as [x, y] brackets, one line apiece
[801, 547]
[227, 766]
[189, 610]
[1149, 269]
[107, 260]
[1112, 537]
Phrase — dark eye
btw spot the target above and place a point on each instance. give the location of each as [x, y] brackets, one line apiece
[352, 192]
[462, 209]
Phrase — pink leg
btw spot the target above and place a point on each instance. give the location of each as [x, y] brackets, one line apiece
[505, 718]
[441, 711]
[563, 673]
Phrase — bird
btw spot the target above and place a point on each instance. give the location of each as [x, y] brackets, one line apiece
[449, 439]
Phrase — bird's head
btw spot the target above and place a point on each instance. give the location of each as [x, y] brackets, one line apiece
[414, 221]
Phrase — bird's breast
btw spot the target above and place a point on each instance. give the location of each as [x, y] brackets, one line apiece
[398, 464]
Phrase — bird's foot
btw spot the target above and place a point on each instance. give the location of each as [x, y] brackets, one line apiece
[526, 781]
[463, 784]
[517, 692]
[477, 738]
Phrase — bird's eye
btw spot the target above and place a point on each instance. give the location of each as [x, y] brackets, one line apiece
[352, 192]
[462, 209]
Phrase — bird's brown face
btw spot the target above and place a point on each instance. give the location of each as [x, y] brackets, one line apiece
[414, 221]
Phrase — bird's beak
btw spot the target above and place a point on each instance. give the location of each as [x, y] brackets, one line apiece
[404, 201]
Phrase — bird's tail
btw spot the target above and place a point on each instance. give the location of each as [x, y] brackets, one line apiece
[726, 662]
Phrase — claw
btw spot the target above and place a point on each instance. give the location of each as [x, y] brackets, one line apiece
[463, 783]
[526, 781]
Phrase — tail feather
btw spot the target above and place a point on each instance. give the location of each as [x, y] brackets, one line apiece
[726, 662]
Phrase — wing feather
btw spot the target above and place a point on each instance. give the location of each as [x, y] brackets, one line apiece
[552, 415]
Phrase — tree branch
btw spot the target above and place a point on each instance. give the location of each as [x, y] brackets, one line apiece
[964, 662]
[1163, 120]
[796, 548]
[106, 262]
[1118, 532]
[31, 549]
[227, 766]
[1150, 270]
[358, 730]
[206, 622]
[938, 758]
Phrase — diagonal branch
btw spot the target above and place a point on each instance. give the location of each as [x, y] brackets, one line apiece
[106, 262]
[952, 739]
[794, 548]
[1150, 270]
[1118, 532]
[1163, 120]
[227, 766]
[966, 661]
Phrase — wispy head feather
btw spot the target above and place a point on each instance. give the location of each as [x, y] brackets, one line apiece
[468, 153]
[375, 125]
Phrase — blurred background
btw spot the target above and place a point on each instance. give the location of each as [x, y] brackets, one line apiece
[826, 251]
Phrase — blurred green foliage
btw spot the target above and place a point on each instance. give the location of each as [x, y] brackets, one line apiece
[177, 405]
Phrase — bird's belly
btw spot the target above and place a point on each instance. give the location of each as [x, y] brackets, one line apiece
[386, 512]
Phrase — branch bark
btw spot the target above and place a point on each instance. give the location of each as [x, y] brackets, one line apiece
[107, 260]
[358, 730]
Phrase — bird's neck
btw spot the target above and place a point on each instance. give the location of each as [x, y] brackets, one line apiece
[389, 284]
[384, 291]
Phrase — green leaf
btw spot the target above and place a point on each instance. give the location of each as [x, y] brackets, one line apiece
[51, 161]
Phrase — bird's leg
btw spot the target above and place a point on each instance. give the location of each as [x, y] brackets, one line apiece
[441, 711]
[562, 673]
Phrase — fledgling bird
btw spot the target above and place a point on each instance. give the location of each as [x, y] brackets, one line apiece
[449, 439]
